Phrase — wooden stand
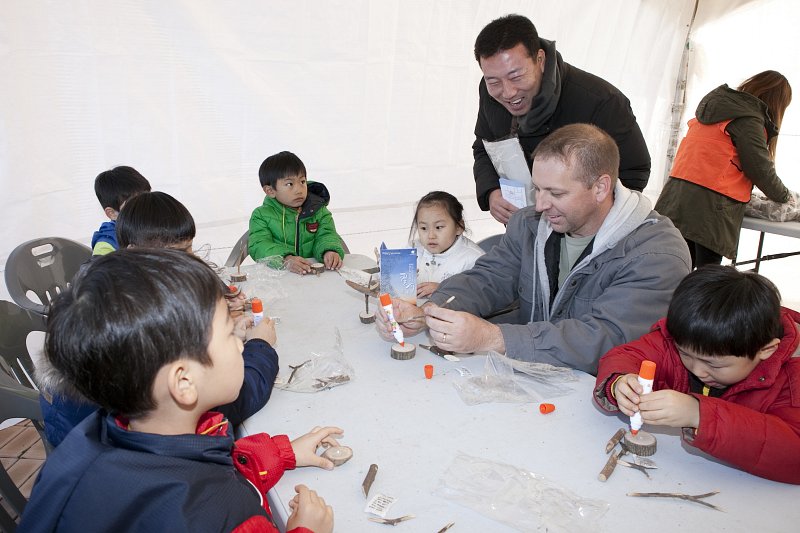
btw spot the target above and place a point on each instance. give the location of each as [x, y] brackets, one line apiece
[317, 268]
[643, 443]
[403, 353]
[366, 318]
[238, 277]
[338, 455]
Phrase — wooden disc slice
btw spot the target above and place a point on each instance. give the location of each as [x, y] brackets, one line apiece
[407, 351]
[643, 443]
[317, 268]
[366, 318]
[238, 278]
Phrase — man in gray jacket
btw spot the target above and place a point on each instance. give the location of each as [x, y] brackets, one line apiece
[592, 265]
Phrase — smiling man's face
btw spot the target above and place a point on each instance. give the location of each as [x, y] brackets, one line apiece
[514, 78]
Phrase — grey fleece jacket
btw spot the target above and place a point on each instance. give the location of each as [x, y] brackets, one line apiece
[612, 296]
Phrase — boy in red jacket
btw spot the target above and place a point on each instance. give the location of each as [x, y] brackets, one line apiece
[146, 334]
[727, 372]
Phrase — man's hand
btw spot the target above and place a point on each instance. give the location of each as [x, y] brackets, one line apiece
[309, 511]
[402, 311]
[426, 289]
[296, 264]
[305, 447]
[500, 208]
[461, 332]
[670, 408]
[332, 260]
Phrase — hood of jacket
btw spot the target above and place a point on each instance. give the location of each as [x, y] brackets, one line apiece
[724, 103]
[318, 197]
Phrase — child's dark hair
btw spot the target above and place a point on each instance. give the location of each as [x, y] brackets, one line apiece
[154, 220]
[450, 204]
[114, 187]
[717, 310]
[126, 316]
[279, 166]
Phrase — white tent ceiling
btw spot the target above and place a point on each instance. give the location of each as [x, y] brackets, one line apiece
[378, 98]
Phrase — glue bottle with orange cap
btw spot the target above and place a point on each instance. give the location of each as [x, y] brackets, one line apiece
[647, 373]
[386, 303]
[258, 311]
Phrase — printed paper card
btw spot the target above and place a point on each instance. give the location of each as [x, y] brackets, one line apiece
[399, 273]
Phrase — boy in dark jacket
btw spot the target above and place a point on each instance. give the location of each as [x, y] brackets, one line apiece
[293, 222]
[146, 334]
[113, 188]
[727, 372]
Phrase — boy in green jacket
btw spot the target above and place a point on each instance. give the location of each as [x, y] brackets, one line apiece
[293, 221]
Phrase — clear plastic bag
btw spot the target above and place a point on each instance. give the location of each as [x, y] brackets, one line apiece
[324, 369]
[500, 384]
[263, 283]
[518, 498]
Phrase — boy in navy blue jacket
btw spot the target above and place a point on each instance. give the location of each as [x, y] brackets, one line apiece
[146, 334]
[113, 188]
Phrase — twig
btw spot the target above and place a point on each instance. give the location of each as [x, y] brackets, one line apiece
[634, 466]
[369, 478]
[689, 497]
[295, 369]
[615, 439]
[391, 521]
[445, 528]
[417, 317]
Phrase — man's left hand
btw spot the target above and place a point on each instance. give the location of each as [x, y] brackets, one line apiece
[462, 332]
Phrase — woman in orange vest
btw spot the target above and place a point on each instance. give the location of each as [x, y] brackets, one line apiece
[730, 146]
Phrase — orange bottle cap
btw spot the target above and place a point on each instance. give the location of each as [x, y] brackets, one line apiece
[647, 370]
[257, 306]
[386, 299]
[233, 288]
[546, 408]
[428, 371]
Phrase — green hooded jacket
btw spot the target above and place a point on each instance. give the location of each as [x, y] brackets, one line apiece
[279, 230]
[704, 216]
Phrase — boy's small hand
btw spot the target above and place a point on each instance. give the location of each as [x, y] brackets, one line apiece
[241, 325]
[265, 330]
[627, 391]
[298, 265]
[332, 260]
[426, 289]
[670, 408]
[310, 511]
[305, 447]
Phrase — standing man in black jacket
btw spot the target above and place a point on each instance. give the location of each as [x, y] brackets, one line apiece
[528, 91]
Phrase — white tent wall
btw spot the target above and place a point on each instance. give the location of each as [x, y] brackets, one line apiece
[378, 98]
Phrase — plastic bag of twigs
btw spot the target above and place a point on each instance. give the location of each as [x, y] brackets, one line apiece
[321, 370]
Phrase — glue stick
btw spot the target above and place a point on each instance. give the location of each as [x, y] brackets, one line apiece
[647, 372]
[386, 303]
[258, 311]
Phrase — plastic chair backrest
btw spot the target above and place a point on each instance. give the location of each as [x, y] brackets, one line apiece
[16, 401]
[45, 267]
[487, 243]
[237, 255]
[16, 324]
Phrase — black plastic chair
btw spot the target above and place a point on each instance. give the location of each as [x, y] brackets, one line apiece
[16, 401]
[45, 267]
[16, 324]
[240, 250]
